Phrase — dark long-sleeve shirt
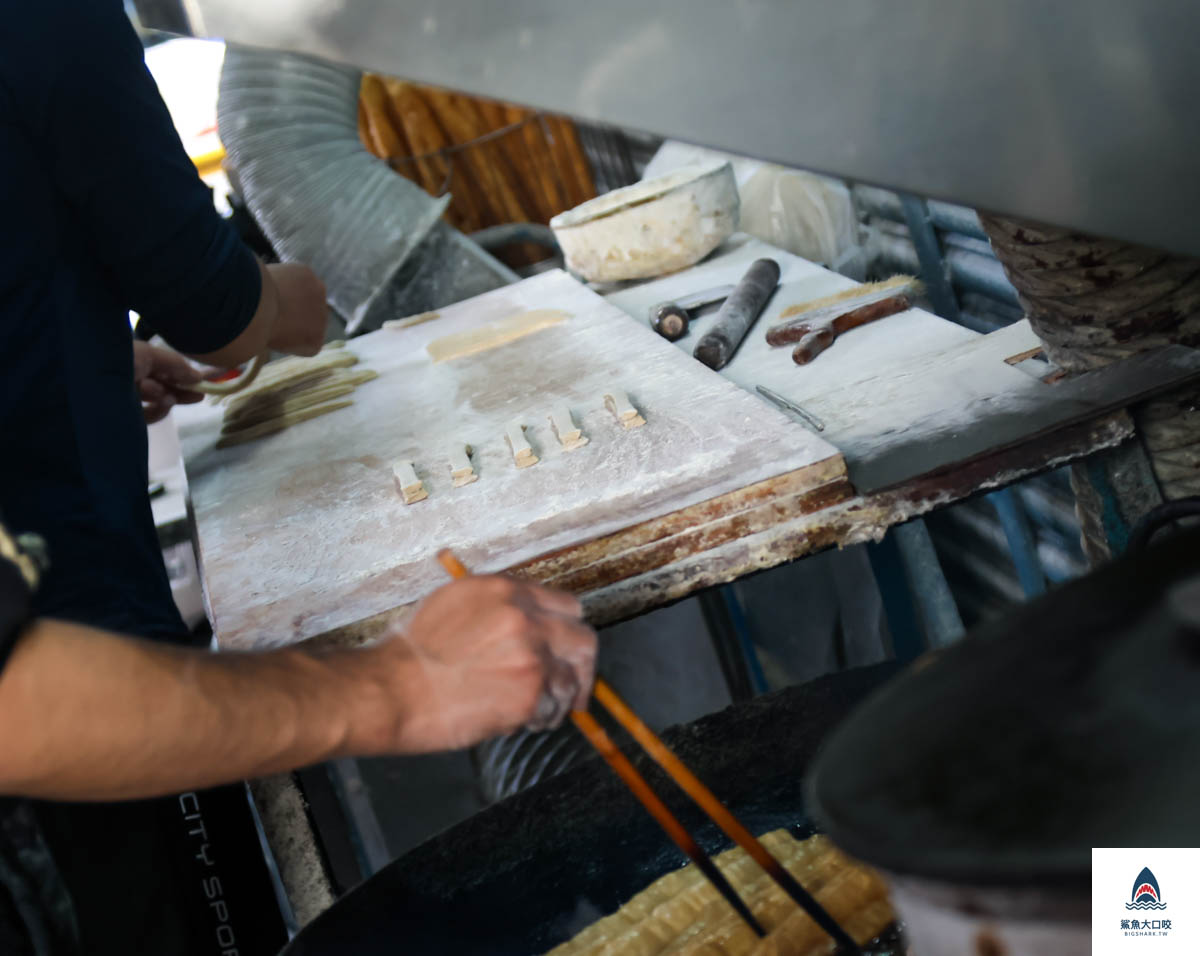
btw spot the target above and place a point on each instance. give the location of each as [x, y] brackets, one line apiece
[102, 213]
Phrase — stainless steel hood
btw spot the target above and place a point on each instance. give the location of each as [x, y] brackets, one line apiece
[1075, 113]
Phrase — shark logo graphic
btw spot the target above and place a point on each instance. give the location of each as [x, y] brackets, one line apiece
[1146, 894]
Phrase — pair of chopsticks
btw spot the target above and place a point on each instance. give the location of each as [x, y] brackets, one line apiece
[692, 786]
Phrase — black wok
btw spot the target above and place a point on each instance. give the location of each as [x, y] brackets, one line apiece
[530, 872]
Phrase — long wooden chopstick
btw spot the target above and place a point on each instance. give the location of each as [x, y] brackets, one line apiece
[599, 739]
[637, 784]
[718, 813]
[694, 788]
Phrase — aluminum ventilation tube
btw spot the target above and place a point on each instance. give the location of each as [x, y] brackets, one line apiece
[289, 125]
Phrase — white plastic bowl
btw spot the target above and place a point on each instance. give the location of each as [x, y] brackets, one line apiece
[650, 228]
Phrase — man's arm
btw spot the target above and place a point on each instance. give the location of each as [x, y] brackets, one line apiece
[92, 715]
[137, 202]
[290, 317]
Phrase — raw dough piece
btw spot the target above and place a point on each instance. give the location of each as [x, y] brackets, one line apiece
[411, 488]
[570, 436]
[256, 397]
[494, 335]
[618, 403]
[461, 469]
[263, 407]
[288, 390]
[269, 411]
[243, 381]
[355, 377]
[522, 451]
[279, 424]
[325, 385]
[397, 324]
[287, 372]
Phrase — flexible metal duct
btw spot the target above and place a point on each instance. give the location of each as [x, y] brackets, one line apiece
[289, 125]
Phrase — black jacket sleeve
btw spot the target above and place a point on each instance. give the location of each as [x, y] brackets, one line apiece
[76, 77]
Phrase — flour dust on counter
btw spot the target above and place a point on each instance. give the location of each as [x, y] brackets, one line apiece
[305, 532]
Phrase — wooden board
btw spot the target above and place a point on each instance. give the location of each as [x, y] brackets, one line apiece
[305, 532]
[910, 394]
[973, 403]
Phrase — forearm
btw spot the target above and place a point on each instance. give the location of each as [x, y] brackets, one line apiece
[91, 715]
[290, 317]
[256, 336]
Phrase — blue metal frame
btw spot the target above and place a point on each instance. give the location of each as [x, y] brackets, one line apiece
[1022, 542]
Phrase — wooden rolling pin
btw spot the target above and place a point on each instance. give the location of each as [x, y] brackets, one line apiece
[744, 305]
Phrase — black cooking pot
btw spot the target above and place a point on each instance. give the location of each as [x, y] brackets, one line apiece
[981, 779]
[528, 873]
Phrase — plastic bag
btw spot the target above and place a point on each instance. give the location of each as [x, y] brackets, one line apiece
[808, 215]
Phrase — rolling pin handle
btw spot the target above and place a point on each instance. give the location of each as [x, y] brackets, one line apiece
[812, 345]
[669, 320]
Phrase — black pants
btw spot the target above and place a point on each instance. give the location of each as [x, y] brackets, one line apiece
[175, 876]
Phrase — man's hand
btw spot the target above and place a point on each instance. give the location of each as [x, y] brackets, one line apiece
[482, 657]
[299, 327]
[162, 378]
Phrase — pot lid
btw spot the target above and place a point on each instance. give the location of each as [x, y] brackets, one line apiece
[1070, 723]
